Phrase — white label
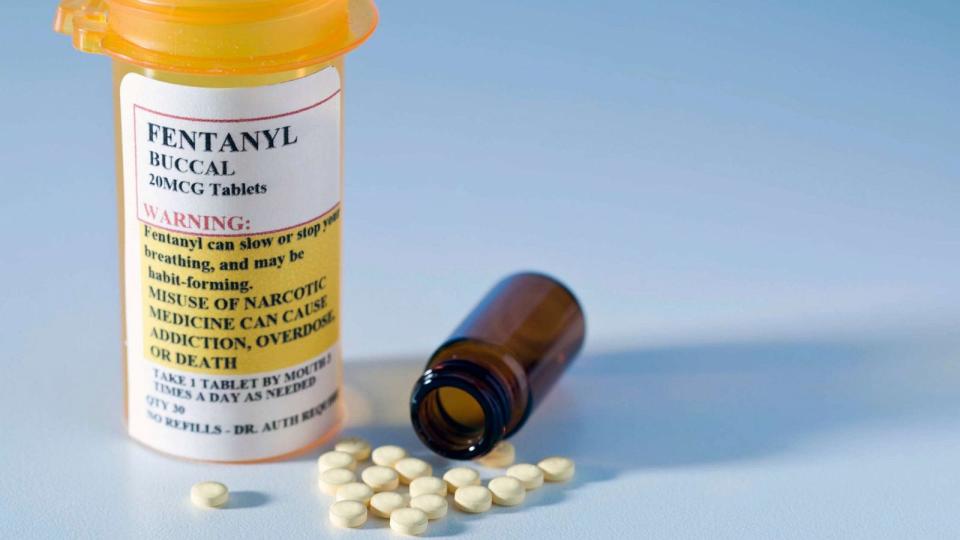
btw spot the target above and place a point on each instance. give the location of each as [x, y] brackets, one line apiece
[232, 265]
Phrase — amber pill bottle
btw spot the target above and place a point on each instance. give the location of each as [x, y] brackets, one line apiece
[483, 383]
[229, 120]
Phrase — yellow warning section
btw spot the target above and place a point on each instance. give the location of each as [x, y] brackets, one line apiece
[240, 304]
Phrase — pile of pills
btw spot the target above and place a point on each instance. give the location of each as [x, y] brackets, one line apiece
[375, 490]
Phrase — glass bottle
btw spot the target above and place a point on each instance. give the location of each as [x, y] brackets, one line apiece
[483, 383]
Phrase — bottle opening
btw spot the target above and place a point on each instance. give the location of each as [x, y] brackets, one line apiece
[452, 422]
[461, 410]
[457, 415]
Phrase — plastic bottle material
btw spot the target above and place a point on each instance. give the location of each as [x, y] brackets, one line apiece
[229, 121]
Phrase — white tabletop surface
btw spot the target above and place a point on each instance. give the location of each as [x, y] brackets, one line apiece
[817, 438]
[758, 207]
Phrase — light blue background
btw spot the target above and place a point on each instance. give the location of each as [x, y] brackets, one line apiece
[757, 202]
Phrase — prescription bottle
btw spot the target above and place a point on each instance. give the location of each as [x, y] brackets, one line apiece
[229, 128]
[481, 385]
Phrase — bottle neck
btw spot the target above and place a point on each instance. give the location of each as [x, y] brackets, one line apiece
[460, 409]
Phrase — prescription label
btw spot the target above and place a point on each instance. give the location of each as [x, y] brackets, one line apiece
[231, 247]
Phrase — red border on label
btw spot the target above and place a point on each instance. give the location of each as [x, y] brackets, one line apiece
[136, 161]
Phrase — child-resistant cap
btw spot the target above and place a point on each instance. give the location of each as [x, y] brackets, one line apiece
[218, 36]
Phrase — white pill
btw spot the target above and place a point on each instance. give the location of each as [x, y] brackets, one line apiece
[336, 460]
[458, 477]
[557, 469]
[473, 499]
[411, 467]
[383, 504]
[387, 455]
[506, 490]
[411, 521]
[355, 446]
[529, 475]
[355, 491]
[209, 494]
[348, 514]
[501, 457]
[331, 479]
[380, 478]
[428, 484]
[433, 505]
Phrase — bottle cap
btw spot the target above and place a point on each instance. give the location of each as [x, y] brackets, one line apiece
[218, 36]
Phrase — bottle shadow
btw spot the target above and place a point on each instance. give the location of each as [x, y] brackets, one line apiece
[684, 406]
[687, 405]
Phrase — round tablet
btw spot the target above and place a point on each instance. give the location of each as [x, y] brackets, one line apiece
[336, 460]
[209, 494]
[411, 467]
[500, 457]
[410, 521]
[434, 506]
[387, 455]
[529, 475]
[355, 491]
[458, 477]
[557, 469]
[506, 491]
[380, 478]
[331, 479]
[348, 514]
[355, 446]
[473, 499]
[383, 504]
[428, 484]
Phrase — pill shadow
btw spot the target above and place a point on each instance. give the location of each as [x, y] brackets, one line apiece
[551, 493]
[247, 499]
[445, 527]
[435, 529]
[372, 522]
[546, 495]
